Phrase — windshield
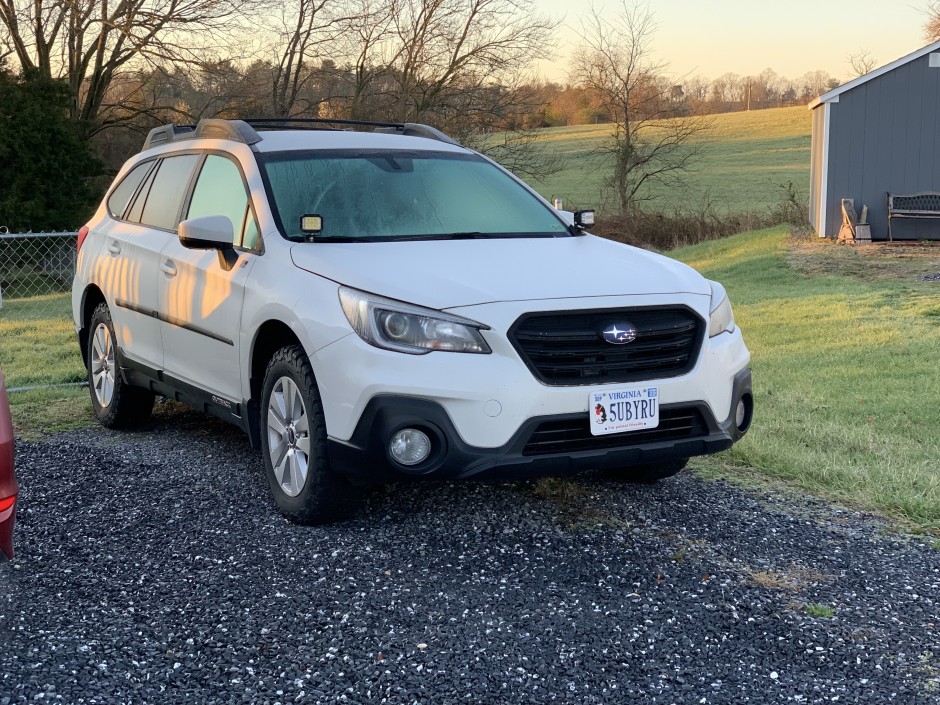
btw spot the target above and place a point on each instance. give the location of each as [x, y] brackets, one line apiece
[389, 195]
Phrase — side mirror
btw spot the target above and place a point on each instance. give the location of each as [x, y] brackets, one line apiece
[584, 219]
[211, 232]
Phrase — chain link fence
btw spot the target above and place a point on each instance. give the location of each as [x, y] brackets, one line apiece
[35, 267]
[37, 338]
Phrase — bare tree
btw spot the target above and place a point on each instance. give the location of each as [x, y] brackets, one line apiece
[696, 90]
[766, 88]
[459, 64]
[649, 142]
[861, 62]
[369, 49]
[729, 88]
[444, 47]
[88, 42]
[932, 25]
[308, 42]
[503, 121]
[815, 83]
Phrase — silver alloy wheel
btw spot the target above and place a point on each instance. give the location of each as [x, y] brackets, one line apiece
[288, 436]
[102, 365]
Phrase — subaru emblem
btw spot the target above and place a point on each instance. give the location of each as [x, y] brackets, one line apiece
[619, 333]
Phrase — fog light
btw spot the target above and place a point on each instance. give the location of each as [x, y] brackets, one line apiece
[410, 446]
[744, 413]
[740, 413]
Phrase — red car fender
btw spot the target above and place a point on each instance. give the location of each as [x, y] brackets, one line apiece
[8, 486]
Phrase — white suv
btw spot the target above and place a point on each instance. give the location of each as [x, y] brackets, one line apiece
[388, 304]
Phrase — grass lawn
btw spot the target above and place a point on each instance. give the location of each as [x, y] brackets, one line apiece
[845, 345]
[746, 159]
[38, 347]
[39, 344]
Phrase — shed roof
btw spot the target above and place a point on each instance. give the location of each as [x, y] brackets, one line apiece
[833, 95]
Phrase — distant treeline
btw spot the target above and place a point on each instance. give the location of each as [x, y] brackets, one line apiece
[576, 105]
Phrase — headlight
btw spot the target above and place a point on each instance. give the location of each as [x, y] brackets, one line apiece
[722, 319]
[393, 325]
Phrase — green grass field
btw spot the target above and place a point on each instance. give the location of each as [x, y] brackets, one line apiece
[845, 344]
[746, 159]
[38, 342]
[38, 347]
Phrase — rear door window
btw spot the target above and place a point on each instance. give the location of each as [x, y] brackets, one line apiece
[121, 196]
[167, 190]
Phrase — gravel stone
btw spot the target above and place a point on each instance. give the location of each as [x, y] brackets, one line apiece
[153, 567]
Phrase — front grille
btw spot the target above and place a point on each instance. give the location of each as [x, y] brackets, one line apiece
[574, 434]
[566, 348]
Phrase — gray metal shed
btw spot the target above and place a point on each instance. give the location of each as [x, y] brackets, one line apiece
[877, 134]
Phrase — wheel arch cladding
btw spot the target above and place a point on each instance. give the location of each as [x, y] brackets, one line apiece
[91, 299]
[271, 336]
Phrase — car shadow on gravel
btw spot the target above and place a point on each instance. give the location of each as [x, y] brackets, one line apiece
[152, 566]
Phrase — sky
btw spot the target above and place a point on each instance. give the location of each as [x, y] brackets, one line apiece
[713, 37]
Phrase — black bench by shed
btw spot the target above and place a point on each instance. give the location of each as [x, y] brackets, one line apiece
[915, 205]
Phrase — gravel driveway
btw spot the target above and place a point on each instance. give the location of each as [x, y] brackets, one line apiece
[153, 567]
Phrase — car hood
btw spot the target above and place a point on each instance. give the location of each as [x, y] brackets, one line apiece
[444, 274]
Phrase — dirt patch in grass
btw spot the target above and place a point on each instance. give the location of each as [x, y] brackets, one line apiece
[880, 261]
[792, 578]
[573, 502]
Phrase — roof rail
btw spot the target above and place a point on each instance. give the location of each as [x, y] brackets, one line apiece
[244, 130]
[403, 128]
[165, 134]
[290, 123]
[209, 128]
[235, 130]
[414, 129]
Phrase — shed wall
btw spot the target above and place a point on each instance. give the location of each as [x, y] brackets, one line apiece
[883, 138]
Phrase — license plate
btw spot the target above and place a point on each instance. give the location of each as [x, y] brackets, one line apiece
[624, 409]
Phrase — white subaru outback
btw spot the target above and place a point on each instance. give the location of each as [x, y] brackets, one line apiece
[387, 304]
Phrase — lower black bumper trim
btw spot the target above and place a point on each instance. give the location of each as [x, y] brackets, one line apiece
[364, 457]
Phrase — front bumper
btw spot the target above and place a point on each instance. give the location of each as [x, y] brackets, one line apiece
[489, 398]
[365, 457]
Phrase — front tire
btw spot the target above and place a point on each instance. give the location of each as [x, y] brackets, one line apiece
[116, 403]
[293, 440]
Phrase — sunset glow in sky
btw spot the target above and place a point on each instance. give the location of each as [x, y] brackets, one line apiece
[713, 37]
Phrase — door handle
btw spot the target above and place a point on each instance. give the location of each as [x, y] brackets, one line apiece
[114, 248]
[168, 268]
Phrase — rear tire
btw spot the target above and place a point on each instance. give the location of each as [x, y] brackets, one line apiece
[293, 440]
[652, 473]
[116, 403]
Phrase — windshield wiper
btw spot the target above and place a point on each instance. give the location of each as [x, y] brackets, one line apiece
[473, 235]
[445, 236]
[399, 238]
